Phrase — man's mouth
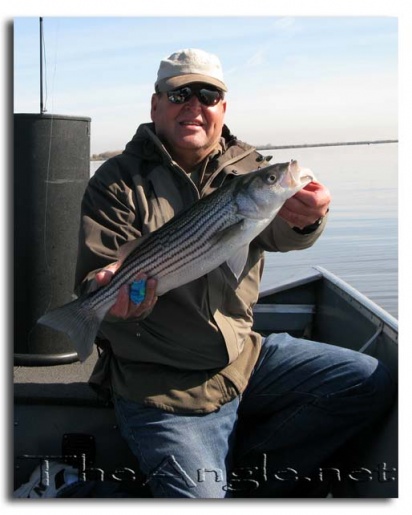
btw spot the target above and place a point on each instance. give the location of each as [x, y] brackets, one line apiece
[191, 123]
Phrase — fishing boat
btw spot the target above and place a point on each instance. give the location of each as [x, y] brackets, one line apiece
[60, 424]
[59, 420]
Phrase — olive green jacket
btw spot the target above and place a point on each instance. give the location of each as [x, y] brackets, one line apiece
[196, 350]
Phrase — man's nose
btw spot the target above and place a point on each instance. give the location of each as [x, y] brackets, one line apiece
[193, 103]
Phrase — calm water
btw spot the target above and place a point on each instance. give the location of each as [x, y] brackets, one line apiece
[360, 242]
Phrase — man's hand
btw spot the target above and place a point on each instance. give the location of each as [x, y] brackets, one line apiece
[124, 308]
[307, 206]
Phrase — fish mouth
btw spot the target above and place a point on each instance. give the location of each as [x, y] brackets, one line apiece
[296, 177]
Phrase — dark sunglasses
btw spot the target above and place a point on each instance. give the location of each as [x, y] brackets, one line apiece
[206, 96]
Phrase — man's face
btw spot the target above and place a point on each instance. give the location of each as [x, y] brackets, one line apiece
[190, 128]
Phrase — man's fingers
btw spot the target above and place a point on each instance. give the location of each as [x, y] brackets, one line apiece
[313, 195]
[307, 206]
[151, 285]
[120, 308]
[128, 304]
[125, 307]
[149, 300]
[105, 275]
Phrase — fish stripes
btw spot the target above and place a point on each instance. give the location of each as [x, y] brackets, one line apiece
[215, 229]
[179, 242]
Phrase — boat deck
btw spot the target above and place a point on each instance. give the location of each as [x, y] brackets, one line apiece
[56, 410]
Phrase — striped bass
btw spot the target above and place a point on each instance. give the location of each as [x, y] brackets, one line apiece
[216, 229]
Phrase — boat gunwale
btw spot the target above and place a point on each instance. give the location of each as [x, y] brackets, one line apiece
[350, 294]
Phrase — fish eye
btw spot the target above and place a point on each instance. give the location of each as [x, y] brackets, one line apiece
[271, 178]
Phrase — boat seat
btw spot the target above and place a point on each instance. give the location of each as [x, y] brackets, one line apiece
[295, 319]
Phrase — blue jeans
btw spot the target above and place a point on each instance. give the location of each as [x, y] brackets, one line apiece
[304, 401]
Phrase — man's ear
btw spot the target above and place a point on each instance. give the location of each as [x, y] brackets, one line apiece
[154, 102]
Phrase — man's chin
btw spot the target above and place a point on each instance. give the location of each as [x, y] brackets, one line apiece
[192, 142]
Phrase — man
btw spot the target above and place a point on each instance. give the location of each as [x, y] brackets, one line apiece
[199, 396]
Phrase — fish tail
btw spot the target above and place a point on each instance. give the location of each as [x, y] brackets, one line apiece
[79, 321]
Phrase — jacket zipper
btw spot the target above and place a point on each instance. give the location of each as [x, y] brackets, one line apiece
[153, 194]
[227, 163]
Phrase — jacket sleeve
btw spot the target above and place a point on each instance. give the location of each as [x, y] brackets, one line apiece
[108, 220]
[279, 236]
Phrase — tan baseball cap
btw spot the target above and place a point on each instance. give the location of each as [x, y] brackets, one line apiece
[189, 65]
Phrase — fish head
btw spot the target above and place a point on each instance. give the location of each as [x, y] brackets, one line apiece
[264, 191]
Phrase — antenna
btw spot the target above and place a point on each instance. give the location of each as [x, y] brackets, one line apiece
[42, 109]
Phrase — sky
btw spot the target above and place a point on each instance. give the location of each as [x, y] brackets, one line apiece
[292, 79]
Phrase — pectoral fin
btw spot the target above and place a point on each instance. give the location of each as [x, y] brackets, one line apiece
[238, 261]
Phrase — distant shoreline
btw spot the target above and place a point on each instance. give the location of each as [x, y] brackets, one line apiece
[338, 144]
[111, 153]
[105, 155]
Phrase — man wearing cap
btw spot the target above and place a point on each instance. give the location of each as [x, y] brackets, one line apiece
[202, 400]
